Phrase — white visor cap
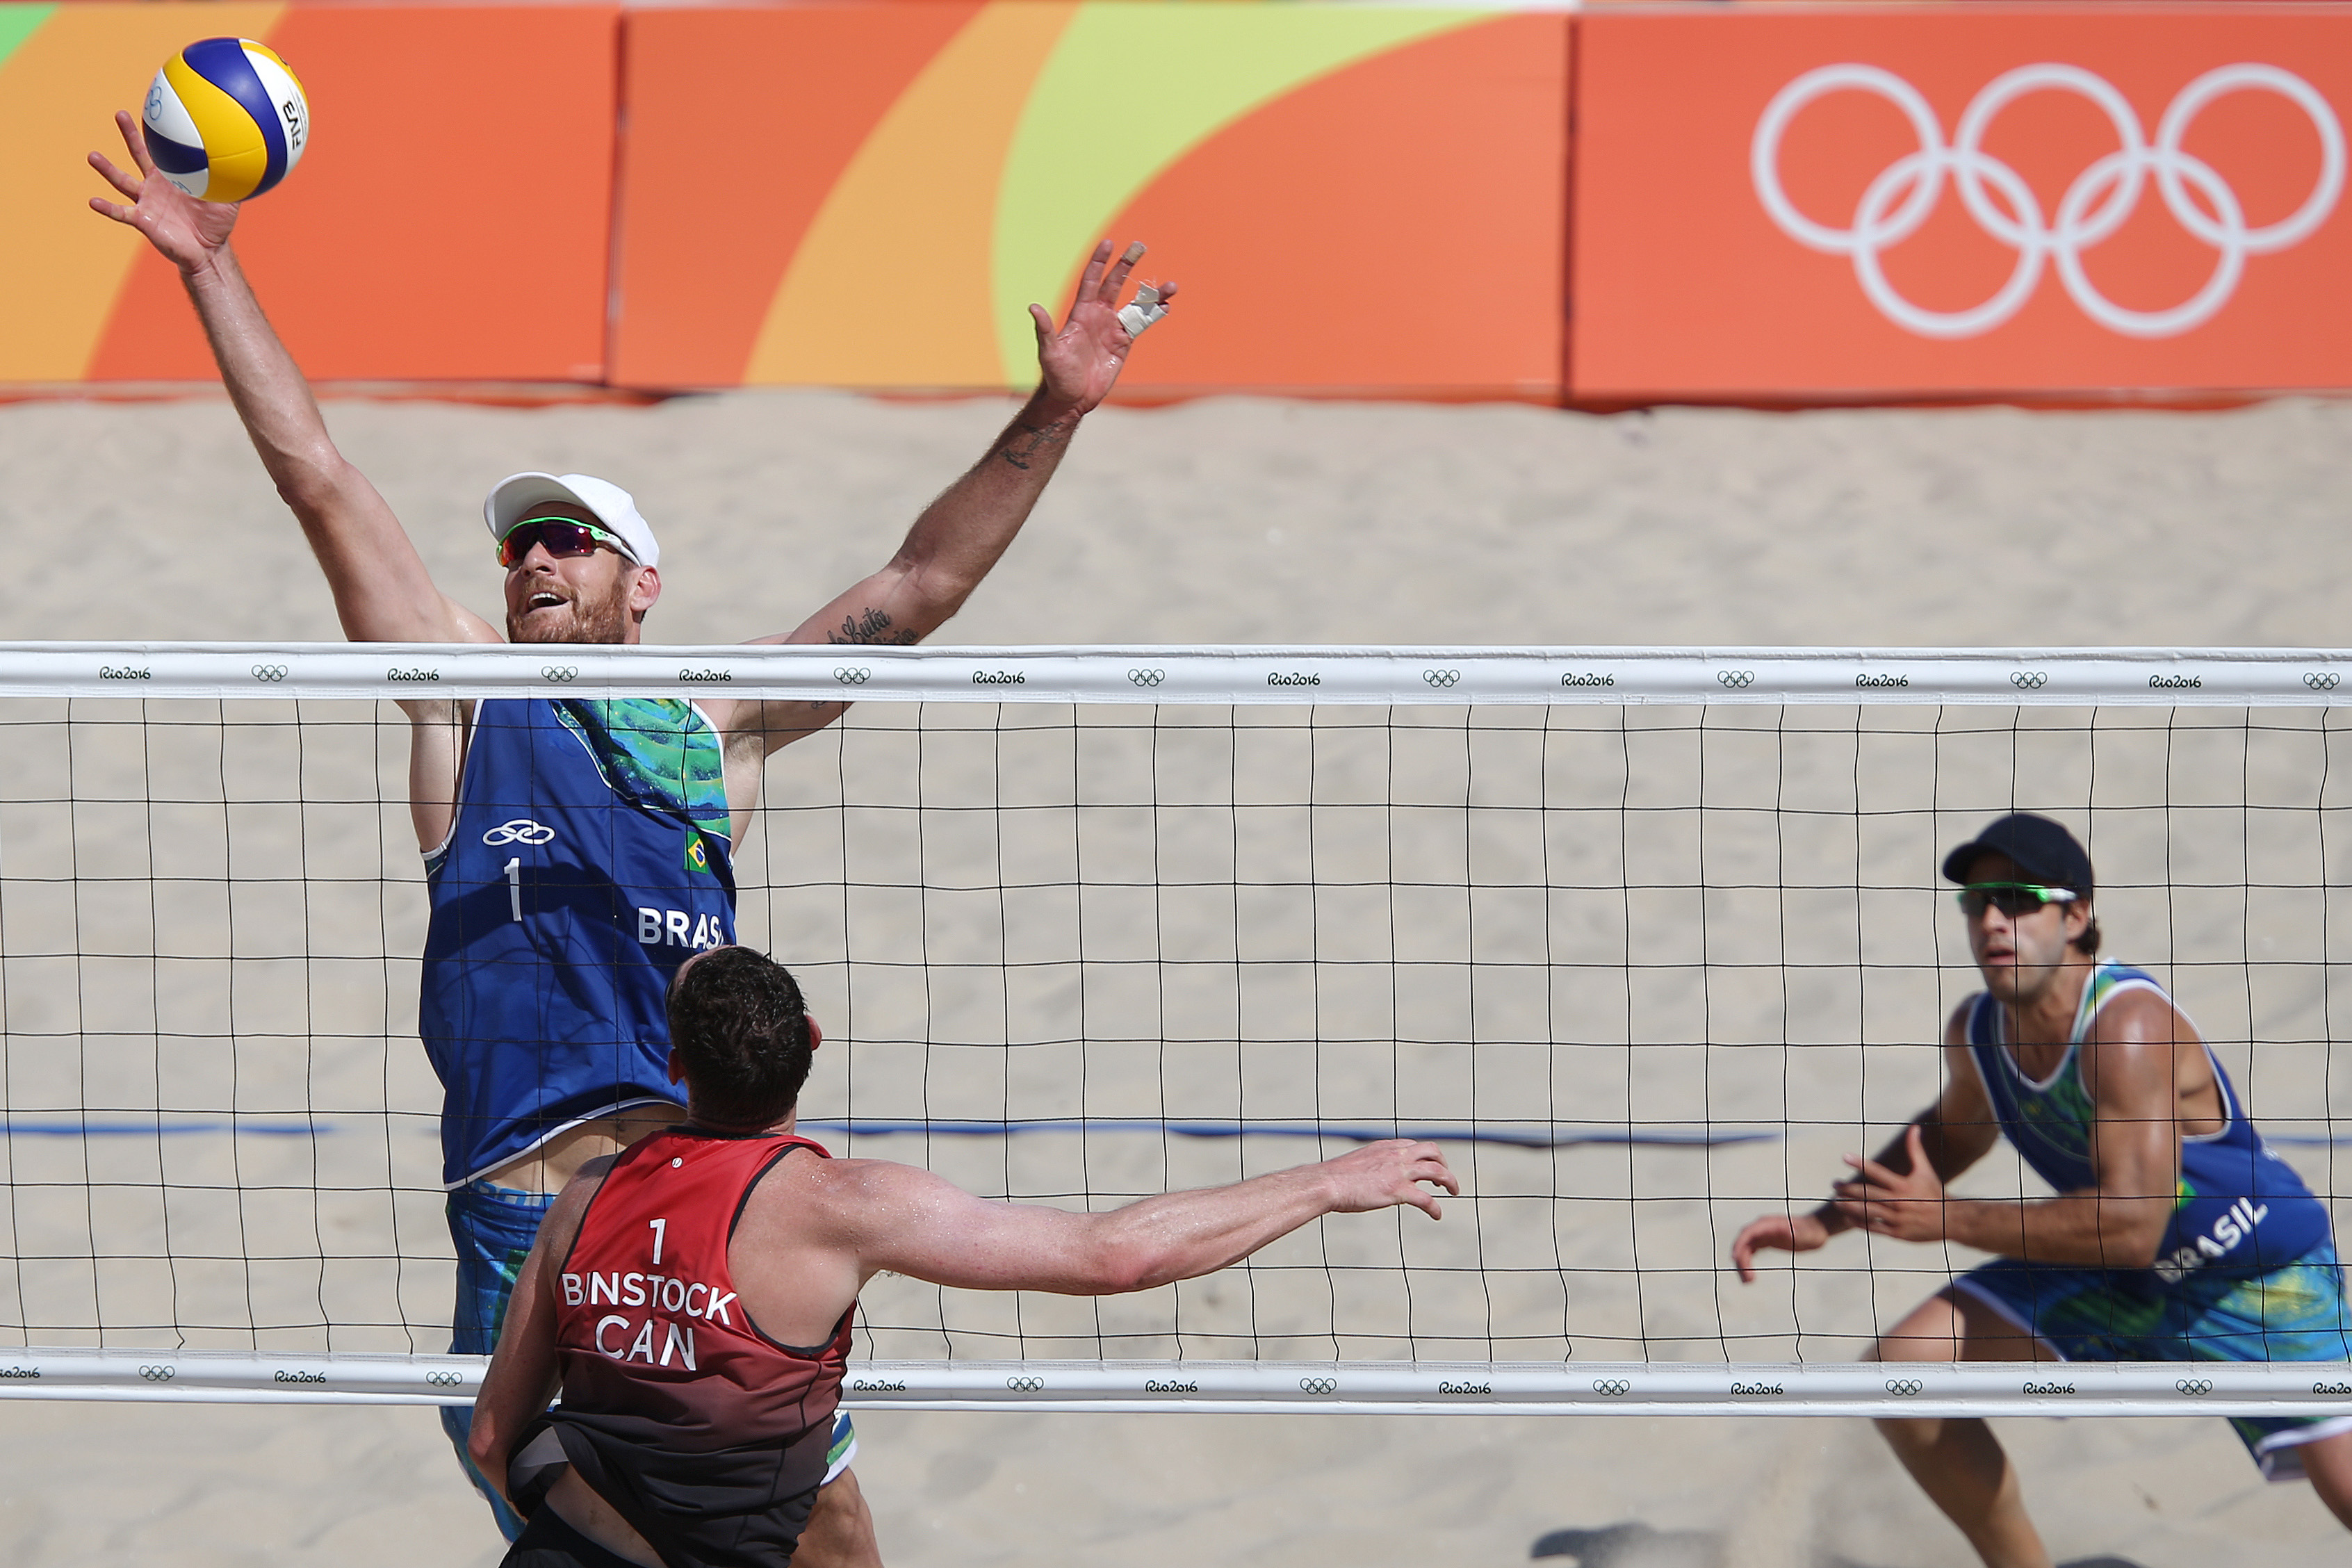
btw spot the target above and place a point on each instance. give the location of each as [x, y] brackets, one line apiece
[515, 497]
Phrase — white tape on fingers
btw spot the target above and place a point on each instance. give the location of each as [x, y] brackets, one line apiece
[1146, 310]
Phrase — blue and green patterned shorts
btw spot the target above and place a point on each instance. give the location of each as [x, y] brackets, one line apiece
[2294, 1313]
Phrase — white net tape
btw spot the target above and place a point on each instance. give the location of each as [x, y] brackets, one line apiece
[1649, 937]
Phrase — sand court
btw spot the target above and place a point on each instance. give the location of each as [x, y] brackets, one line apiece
[1273, 913]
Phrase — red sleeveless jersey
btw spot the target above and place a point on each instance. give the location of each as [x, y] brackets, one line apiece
[649, 1323]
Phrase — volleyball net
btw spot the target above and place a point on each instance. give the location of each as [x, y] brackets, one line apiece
[1647, 938]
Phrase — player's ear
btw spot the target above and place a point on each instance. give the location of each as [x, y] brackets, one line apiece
[2078, 919]
[644, 590]
[816, 1036]
[676, 1070]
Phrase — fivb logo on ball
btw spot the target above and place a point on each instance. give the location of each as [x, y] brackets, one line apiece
[226, 119]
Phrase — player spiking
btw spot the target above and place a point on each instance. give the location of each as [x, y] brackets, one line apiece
[2176, 1235]
[578, 851]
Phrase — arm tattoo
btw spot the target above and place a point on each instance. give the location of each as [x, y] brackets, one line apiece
[1023, 443]
[873, 626]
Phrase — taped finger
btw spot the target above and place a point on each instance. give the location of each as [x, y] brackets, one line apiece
[1146, 310]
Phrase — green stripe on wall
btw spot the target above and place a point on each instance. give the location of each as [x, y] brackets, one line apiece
[18, 23]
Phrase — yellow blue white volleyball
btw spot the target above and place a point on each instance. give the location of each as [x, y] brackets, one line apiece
[226, 119]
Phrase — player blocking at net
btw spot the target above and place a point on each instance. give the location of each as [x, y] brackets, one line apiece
[578, 851]
[2175, 1233]
[692, 1296]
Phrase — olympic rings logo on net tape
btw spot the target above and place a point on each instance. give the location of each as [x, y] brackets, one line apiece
[2097, 204]
[159, 1373]
[559, 673]
[2193, 1386]
[1025, 1385]
[1440, 679]
[269, 672]
[852, 675]
[1147, 677]
[2028, 679]
[1905, 1387]
[1737, 679]
[1613, 1385]
[442, 1379]
[2320, 679]
[1318, 1385]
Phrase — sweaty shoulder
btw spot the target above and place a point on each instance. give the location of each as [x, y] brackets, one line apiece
[2141, 1015]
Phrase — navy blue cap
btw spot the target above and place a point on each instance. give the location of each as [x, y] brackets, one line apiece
[2042, 850]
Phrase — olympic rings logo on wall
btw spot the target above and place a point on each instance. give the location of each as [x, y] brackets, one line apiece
[2097, 204]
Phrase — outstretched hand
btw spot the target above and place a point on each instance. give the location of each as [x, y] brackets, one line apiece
[1906, 1205]
[188, 232]
[1080, 363]
[1775, 1233]
[1384, 1174]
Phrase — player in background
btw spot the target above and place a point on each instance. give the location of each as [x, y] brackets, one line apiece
[578, 851]
[2176, 1235]
[690, 1420]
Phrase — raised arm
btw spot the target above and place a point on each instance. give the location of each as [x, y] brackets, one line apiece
[961, 535]
[382, 593]
[911, 1222]
[1933, 1146]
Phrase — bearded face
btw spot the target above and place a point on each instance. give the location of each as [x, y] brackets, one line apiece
[598, 597]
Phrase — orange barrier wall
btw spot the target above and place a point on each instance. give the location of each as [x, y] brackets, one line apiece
[450, 219]
[1358, 200]
[2217, 261]
[1366, 199]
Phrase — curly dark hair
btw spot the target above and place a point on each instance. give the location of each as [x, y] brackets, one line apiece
[741, 1029]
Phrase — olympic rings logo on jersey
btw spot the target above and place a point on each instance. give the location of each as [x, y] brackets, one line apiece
[521, 831]
[2096, 206]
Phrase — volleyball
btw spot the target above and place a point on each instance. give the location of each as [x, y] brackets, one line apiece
[226, 119]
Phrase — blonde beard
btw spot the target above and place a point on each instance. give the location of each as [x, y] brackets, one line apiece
[607, 622]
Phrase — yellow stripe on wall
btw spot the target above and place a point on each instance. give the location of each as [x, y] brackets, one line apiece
[64, 265]
[890, 286]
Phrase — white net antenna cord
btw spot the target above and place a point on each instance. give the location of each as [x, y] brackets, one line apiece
[1646, 938]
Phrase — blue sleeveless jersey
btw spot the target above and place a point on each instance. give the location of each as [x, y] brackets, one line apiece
[2239, 1209]
[589, 859]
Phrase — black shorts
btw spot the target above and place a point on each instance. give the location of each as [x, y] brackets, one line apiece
[547, 1541]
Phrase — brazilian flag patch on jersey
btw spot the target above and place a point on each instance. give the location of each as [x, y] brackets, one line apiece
[698, 854]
